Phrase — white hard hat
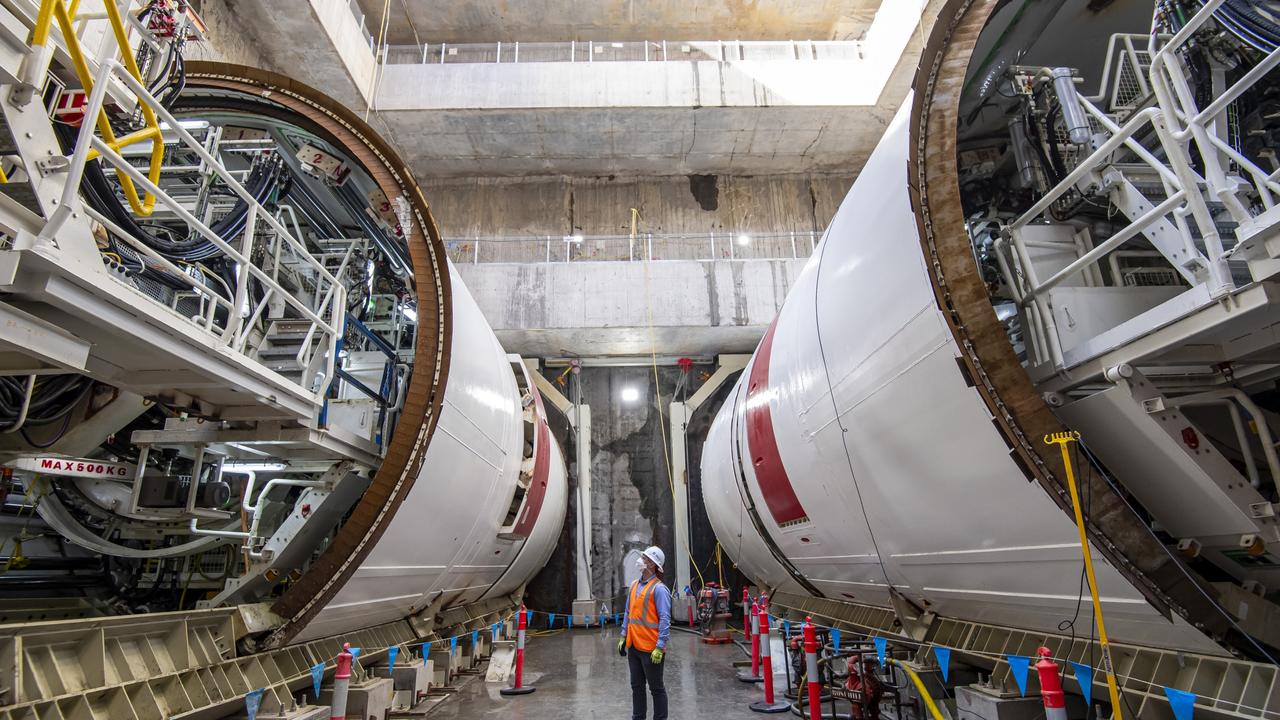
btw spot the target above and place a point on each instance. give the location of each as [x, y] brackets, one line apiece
[654, 553]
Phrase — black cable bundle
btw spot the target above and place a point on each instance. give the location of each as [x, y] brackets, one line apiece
[99, 192]
[52, 400]
[168, 85]
[261, 184]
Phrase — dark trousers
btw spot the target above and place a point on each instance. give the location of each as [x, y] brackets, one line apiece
[643, 670]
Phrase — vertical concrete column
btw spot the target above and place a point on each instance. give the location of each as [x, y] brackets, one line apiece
[581, 418]
[680, 414]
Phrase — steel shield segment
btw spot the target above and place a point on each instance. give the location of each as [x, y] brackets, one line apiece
[541, 465]
[211, 85]
[771, 475]
[739, 534]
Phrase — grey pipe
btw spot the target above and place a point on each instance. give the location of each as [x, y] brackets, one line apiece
[1073, 116]
[1023, 155]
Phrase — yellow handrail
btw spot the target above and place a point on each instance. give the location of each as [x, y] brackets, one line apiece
[58, 9]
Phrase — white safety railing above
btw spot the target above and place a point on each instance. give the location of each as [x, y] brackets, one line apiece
[360, 17]
[634, 51]
[740, 245]
[323, 309]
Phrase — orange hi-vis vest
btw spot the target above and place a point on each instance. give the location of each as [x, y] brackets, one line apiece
[642, 617]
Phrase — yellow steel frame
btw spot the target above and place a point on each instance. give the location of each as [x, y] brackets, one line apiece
[65, 13]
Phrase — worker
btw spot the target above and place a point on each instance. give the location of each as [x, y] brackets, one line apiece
[645, 632]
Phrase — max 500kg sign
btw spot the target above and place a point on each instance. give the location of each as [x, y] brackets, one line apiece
[73, 467]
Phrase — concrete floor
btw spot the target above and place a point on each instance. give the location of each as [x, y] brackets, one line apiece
[579, 674]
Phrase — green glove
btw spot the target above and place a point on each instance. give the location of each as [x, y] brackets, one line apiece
[656, 656]
[622, 646]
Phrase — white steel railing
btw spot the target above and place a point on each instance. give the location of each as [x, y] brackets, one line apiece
[634, 51]
[326, 319]
[1124, 81]
[1177, 123]
[1188, 123]
[725, 245]
[358, 13]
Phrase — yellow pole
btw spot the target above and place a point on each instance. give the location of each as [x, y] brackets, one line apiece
[924, 692]
[1061, 439]
[148, 204]
[631, 241]
[44, 20]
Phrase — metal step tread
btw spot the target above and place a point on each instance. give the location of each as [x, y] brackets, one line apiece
[22, 193]
[279, 355]
[292, 337]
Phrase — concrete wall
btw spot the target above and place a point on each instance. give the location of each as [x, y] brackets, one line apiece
[635, 141]
[740, 117]
[227, 40]
[556, 20]
[489, 207]
[318, 42]
[743, 117]
[597, 309]
[743, 83]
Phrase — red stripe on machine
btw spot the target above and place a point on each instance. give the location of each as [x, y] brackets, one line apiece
[541, 470]
[771, 475]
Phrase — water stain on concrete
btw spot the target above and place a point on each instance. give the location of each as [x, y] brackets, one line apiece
[706, 190]
[740, 316]
[713, 297]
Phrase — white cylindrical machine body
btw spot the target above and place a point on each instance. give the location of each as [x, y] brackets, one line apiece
[453, 540]
[854, 454]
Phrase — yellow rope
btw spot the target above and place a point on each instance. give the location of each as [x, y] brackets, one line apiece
[657, 390]
[719, 565]
[376, 77]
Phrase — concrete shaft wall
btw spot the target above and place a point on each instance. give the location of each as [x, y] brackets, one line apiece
[555, 20]
[467, 208]
[631, 485]
[727, 116]
[597, 309]
[684, 84]
[318, 42]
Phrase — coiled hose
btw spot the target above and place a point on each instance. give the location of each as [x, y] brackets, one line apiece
[52, 399]
[1255, 22]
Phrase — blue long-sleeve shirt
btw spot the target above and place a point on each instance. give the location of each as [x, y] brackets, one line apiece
[661, 601]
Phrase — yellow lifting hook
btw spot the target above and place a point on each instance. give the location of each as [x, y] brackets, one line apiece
[1061, 439]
